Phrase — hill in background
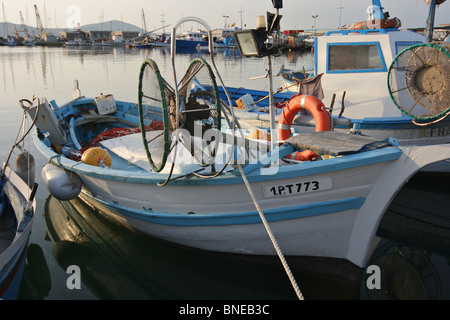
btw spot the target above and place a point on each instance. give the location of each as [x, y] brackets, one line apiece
[113, 25]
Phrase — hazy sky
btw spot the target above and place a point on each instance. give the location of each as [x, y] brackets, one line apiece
[297, 14]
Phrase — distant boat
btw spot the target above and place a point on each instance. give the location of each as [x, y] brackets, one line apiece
[10, 41]
[191, 40]
[29, 43]
[78, 42]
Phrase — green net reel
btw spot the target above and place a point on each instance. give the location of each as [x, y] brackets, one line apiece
[419, 81]
[155, 96]
[200, 112]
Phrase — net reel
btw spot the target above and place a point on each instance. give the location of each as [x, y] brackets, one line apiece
[200, 111]
[191, 112]
[155, 92]
[419, 81]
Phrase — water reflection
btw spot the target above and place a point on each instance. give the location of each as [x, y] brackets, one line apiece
[48, 69]
[118, 264]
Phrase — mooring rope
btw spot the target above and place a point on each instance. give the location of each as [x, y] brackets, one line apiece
[272, 237]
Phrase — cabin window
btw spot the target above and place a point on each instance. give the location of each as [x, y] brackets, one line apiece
[355, 57]
[403, 45]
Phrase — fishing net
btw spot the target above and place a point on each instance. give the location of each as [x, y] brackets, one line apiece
[201, 111]
[199, 115]
[154, 92]
[419, 81]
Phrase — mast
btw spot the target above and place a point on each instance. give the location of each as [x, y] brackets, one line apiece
[144, 24]
[5, 27]
[430, 22]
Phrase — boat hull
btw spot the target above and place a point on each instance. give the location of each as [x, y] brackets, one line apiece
[323, 235]
[12, 259]
[327, 208]
[196, 212]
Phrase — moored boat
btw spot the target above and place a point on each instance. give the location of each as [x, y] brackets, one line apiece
[17, 212]
[177, 171]
[359, 85]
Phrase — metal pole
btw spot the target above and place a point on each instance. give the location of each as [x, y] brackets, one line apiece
[430, 21]
[273, 131]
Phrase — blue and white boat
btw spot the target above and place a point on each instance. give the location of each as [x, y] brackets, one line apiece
[191, 40]
[17, 212]
[16, 220]
[218, 189]
[353, 67]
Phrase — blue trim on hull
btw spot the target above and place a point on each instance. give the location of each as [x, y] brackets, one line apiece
[224, 219]
[284, 172]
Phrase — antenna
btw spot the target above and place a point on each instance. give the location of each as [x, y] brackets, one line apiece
[340, 15]
[241, 12]
[162, 17]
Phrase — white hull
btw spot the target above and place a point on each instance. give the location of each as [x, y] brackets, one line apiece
[325, 235]
[339, 221]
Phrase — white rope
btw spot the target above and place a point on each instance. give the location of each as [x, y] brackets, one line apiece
[272, 238]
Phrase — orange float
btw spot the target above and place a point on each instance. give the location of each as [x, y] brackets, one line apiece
[96, 156]
[377, 24]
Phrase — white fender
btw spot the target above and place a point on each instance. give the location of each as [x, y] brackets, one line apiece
[61, 184]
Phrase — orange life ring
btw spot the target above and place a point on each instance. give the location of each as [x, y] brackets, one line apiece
[321, 117]
[295, 104]
[438, 2]
[377, 24]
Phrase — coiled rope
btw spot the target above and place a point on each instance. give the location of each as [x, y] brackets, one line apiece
[272, 237]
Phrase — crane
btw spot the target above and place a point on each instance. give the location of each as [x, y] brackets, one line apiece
[39, 23]
[23, 26]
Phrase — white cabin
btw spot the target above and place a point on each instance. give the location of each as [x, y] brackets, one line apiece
[357, 62]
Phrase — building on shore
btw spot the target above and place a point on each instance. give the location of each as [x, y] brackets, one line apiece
[94, 36]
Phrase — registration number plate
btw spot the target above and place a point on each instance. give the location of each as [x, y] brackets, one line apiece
[301, 186]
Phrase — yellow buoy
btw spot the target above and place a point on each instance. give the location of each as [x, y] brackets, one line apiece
[97, 156]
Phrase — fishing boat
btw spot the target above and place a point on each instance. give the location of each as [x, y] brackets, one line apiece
[177, 172]
[17, 211]
[191, 39]
[360, 84]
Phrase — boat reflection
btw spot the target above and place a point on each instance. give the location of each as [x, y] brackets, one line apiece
[118, 264]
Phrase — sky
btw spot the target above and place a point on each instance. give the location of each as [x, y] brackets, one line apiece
[297, 14]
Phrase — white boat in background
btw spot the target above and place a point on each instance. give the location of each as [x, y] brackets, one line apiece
[352, 68]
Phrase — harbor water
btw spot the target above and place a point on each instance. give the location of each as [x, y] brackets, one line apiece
[115, 263]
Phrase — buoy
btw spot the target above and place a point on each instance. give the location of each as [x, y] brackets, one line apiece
[97, 156]
[25, 167]
[259, 134]
[61, 184]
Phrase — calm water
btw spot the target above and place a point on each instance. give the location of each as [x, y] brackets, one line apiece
[118, 264]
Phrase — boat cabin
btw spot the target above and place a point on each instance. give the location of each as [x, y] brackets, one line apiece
[357, 62]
